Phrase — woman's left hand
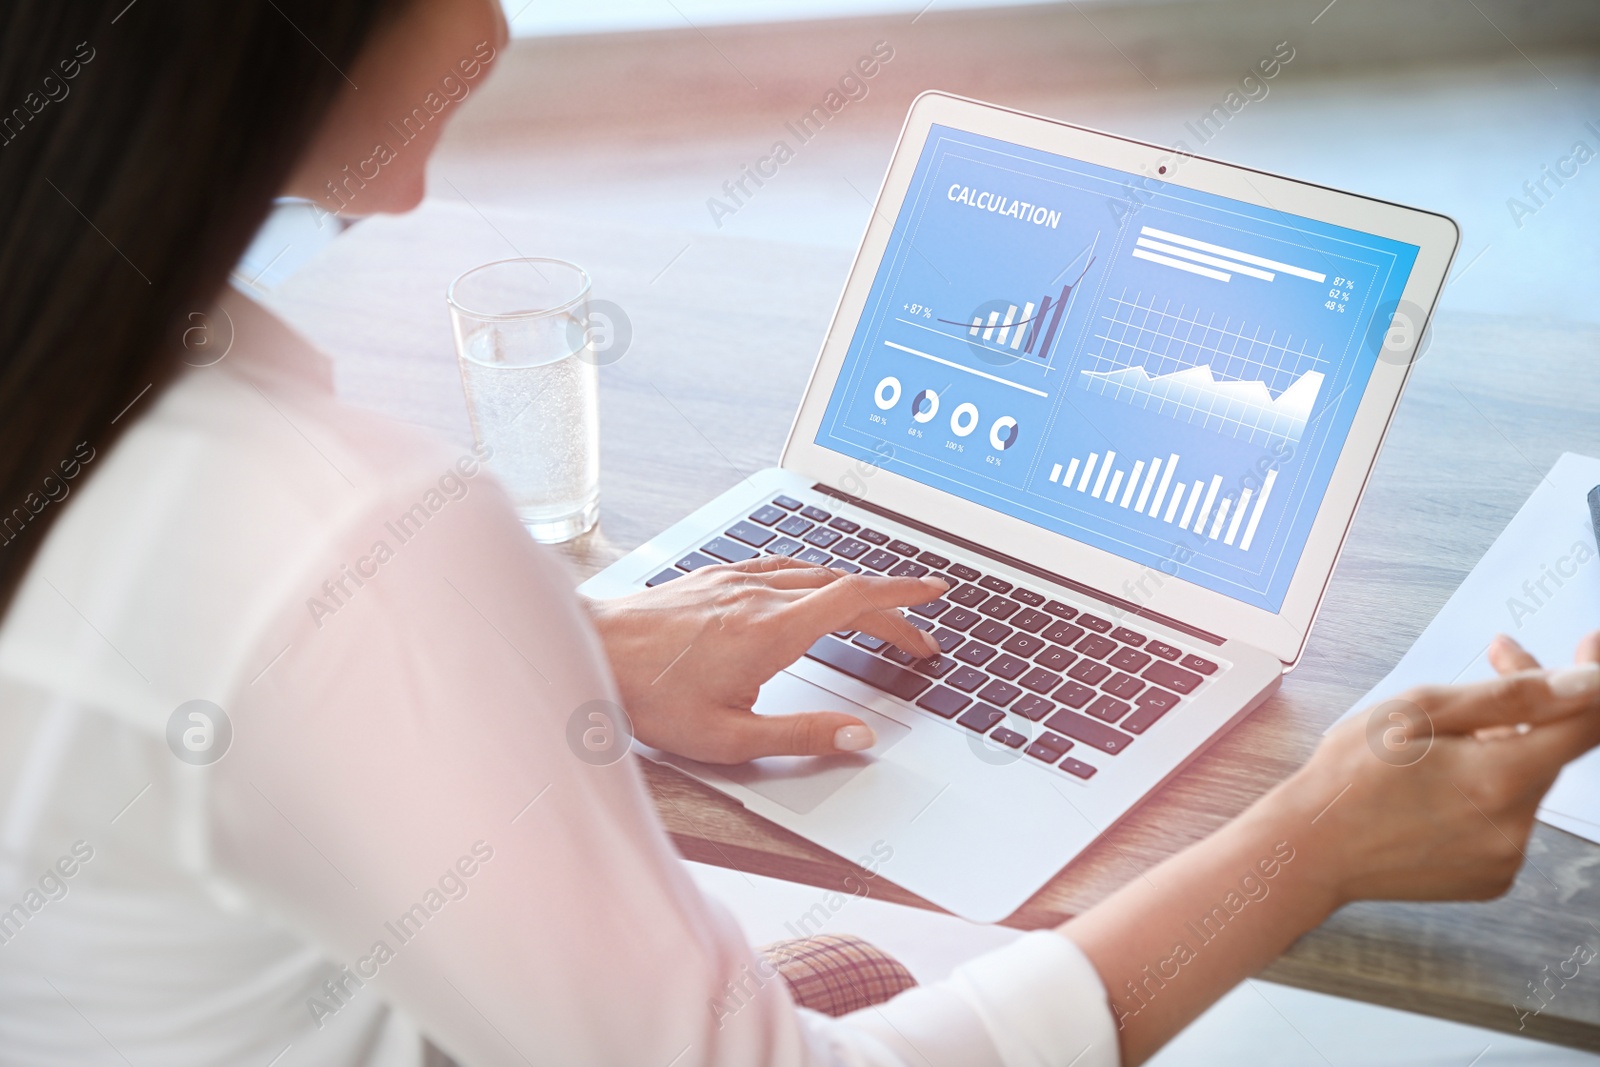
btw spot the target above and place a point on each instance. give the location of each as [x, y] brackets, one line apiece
[690, 656]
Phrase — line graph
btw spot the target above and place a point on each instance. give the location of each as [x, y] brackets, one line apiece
[1224, 376]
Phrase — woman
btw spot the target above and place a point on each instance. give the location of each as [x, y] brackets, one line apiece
[400, 838]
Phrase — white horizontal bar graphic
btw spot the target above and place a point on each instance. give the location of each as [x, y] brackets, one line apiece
[1192, 268]
[969, 370]
[1201, 257]
[1260, 261]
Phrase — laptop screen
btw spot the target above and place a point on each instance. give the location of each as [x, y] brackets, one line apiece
[1164, 374]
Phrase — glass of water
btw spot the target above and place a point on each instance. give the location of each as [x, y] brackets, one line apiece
[532, 388]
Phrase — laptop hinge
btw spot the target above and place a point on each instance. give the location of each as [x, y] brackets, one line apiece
[1127, 606]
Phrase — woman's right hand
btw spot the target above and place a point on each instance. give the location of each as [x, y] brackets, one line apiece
[1432, 795]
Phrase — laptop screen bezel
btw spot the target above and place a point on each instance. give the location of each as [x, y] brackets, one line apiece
[1283, 633]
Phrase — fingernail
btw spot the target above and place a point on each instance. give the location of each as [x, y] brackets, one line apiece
[1580, 681]
[853, 738]
[932, 581]
[930, 643]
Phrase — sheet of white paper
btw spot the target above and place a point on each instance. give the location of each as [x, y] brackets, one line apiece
[1540, 583]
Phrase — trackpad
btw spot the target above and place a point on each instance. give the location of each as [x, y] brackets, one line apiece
[800, 783]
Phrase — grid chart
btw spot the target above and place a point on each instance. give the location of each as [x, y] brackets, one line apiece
[1188, 366]
[1145, 487]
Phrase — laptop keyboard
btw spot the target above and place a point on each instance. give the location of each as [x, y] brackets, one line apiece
[1092, 686]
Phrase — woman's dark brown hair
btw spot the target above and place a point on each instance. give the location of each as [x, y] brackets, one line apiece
[141, 144]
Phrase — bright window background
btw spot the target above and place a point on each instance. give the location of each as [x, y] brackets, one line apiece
[542, 17]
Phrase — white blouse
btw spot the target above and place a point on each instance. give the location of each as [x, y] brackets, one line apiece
[398, 838]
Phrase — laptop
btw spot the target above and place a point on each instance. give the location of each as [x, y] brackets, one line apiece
[1125, 400]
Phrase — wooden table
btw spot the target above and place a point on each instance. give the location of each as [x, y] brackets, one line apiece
[724, 334]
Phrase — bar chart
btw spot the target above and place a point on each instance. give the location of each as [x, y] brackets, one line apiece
[1028, 330]
[1198, 504]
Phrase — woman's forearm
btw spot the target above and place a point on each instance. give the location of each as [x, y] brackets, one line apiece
[1172, 941]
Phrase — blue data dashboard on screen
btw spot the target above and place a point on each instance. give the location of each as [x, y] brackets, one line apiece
[1161, 373]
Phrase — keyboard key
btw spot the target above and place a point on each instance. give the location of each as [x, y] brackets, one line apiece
[1049, 747]
[1074, 694]
[870, 643]
[816, 514]
[1024, 645]
[932, 609]
[1129, 659]
[993, 584]
[1124, 686]
[964, 572]
[788, 503]
[869, 669]
[1094, 734]
[1009, 738]
[794, 526]
[999, 607]
[822, 537]
[1089, 672]
[1143, 717]
[899, 655]
[785, 546]
[976, 653]
[844, 635]
[1028, 597]
[879, 560]
[1175, 678]
[844, 568]
[1155, 697]
[850, 548]
[728, 551]
[766, 514]
[1162, 649]
[1077, 767]
[1033, 707]
[998, 692]
[925, 625]
[1108, 709]
[905, 548]
[960, 618]
[844, 525]
[1195, 663]
[966, 679]
[934, 560]
[1007, 666]
[908, 569]
[1093, 622]
[1040, 680]
[935, 666]
[944, 702]
[948, 640]
[1127, 636]
[1096, 646]
[991, 631]
[694, 561]
[1063, 633]
[968, 596]
[1056, 658]
[1060, 610]
[814, 556]
[1030, 620]
[662, 579]
[980, 717]
[873, 537]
